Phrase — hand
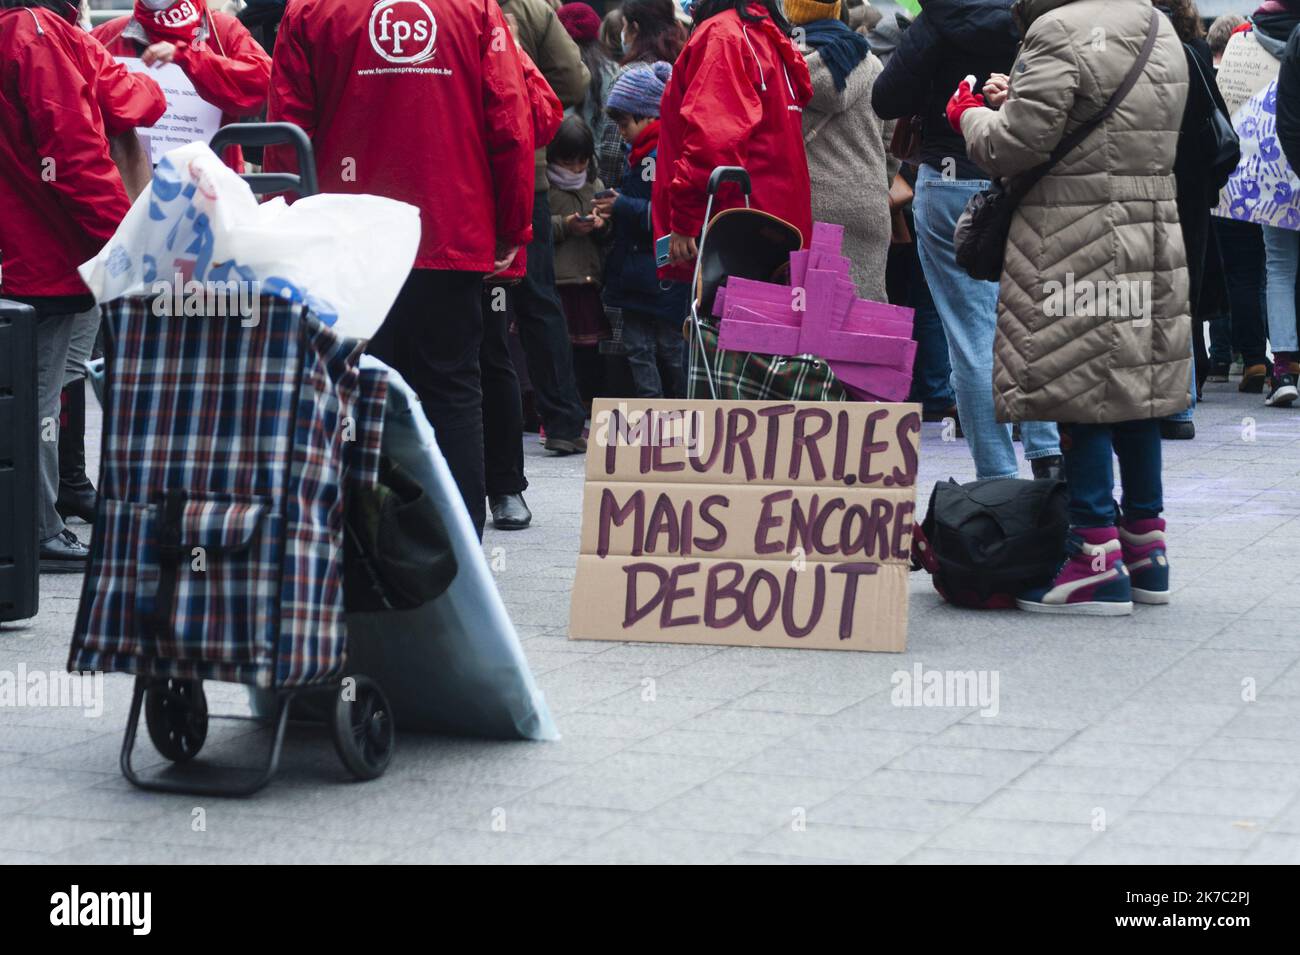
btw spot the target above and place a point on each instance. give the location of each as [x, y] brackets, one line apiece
[681, 248]
[504, 259]
[158, 53]
[605, 207]
[601, 221]
[575, 225]
[961, 101]
[996, 88]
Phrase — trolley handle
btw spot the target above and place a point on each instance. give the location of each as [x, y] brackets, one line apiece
[736, 174]
[272, 134]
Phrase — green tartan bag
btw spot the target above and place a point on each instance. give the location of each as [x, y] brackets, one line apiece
[749, 376]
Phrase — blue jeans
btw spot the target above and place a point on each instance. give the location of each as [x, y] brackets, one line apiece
[1282, 257]
[968, 309]
[932, 372]
[655, 355]
[1091, 480]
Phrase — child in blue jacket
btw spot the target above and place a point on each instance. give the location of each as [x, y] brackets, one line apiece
[653, 311]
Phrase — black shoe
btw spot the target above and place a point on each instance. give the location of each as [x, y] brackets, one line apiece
[64, 554]
[566, 445]
[1177, 430]
[1218, 372]
[1283, 393]
[509, 512]
[76, 502]
[1050, 468]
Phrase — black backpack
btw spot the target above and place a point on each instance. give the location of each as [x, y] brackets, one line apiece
[988, 541]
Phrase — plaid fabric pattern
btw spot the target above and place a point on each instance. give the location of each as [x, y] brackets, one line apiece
[749, 376]
[217, 552]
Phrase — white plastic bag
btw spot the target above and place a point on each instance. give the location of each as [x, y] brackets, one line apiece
[345, 256]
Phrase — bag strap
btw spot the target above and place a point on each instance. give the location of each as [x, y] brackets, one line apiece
[1027, 181]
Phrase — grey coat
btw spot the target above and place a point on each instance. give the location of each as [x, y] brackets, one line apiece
[850, 167]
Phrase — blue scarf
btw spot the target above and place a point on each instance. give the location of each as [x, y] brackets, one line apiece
[841, 49]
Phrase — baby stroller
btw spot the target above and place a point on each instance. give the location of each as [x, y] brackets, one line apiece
[218, 544]
[752, 244]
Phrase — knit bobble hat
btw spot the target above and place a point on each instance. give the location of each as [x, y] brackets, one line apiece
[638, 91]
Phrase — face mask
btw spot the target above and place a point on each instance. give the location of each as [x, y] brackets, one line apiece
[622, 37]
[156, 5]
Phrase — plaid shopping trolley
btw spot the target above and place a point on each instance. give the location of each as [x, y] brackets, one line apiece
[228, 447]
[748, 243]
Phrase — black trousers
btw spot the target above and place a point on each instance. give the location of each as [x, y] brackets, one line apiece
[1242, 246]
[545, 335]
[503, 410]
[432, 337]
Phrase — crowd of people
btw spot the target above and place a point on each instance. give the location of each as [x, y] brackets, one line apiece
[558, 155]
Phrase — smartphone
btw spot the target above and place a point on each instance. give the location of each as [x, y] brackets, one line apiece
[586, 218]
[661, 250]
[604, 194]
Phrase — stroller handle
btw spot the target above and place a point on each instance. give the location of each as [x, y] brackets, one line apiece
[272, 134]
[736, 174]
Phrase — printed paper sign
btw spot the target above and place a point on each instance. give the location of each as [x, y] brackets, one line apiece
[189, 118]
[744, 523]
[1263, 188]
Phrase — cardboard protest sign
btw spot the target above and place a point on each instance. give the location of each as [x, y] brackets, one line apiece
[1263, 188]
[748, 523]
[189, 118]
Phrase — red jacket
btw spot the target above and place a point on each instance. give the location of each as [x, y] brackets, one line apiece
[445, 127]
[547, 113]
[61, 197]
[736, 98]
[230, 71]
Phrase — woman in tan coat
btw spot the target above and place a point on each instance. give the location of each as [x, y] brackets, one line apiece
[1093, 327]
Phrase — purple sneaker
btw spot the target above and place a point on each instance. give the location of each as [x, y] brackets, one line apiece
[1143, 547]
[1093, 579]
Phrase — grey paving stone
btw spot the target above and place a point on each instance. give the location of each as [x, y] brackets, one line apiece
[1001, 835]
[887, 812]
[1196, 832]
[1274, 849]
[636, 845]
[1073, 808]
[467, 846]
[1246, 804]
[944, 787]
[1108, 852]
[878, 846]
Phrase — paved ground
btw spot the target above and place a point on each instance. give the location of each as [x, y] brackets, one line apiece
[1170, 736]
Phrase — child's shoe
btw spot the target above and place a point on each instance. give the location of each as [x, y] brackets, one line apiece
[1143, 546]
[1093, 579]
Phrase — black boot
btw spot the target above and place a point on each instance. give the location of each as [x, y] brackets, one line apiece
[1050, 467]
[76, 493]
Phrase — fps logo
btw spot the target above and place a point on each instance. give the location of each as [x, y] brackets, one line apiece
[402, 31]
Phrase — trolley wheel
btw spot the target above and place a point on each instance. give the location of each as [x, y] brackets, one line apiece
[363, 729]
[176, 713]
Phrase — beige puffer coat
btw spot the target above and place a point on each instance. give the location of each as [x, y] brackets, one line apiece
[1093, 322]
